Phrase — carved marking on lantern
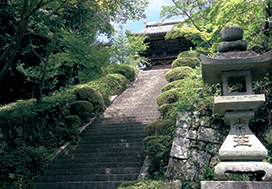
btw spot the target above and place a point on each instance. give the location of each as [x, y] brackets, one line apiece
[241, 140]
[245, 97]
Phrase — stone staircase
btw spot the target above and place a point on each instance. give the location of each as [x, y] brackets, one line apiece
[110, 151]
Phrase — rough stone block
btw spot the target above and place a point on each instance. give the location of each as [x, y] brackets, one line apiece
[231, 33]
[208, 135]
[183, 120]
[180, 148]
[200, 157]
[235, 185]
[227, 46]
[192, 135]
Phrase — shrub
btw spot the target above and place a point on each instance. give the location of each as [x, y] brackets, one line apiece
[82, 108]
[169, 97]
[147, 184]
[126, 70]
[158, 149]
[166, 109]
[92, 96]
[109, 85]
[178, 73]
[172, 85]
[189, 54]
[160, 127]
[20, 165]
[184, 61]
[73, 120]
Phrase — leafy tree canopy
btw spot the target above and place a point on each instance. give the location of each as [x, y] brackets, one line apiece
[203, 20]
[54, 42]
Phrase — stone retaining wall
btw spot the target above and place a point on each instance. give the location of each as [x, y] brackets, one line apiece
[195, 146]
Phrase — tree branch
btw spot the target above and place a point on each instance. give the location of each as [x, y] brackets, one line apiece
[187, 15]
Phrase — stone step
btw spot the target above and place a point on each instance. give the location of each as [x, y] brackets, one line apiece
[97, 160]
[77, 185]
[91, 177]
[138, 120]
[110, 148]
[83, 146]
[103, 137]
[125, 170]
[96, 165]
[101, 154]
[97, 151]
[102, 119]
[105, 142]
[127, 105]
[110, 127]
[107, 131]
[128, 114]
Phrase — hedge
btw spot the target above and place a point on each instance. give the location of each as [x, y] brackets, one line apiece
[123, 69]
[20, 165]
[93, 96]
[184, 61]
[166, 109]
[49, 123]
[172, 85]
[169, 97]
[147, 184]
[82, 108]
[109, 85]
[160, 127]
[190, 54]
[178, 73]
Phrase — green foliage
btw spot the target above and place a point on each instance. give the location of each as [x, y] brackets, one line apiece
[169, 97]
[20, 165]
[194, 95]
[184, 61]
[109, 85]
[158, 149]
[31, 123]
[172, 85]
[160, 127]
[126, 70]
[189, 54]
[73, 120]
[239, 176]
[147, 184]
[125, 45]
[82, 108]
[177, 73]
[205, 19]
[84, 92]
[166, 109]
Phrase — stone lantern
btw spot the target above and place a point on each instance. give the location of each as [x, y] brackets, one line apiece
[235, 68]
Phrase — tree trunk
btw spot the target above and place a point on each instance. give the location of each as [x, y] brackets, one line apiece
[41, 85]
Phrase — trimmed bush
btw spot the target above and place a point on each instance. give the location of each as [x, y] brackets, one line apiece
[93, 96]
[166, 109]
[126, 70]
[184, 61]
[147, 184]
[109, 85]
[20, 165]
[173, 85]
[73, 120]
[178, 73]
[82, 108]
[189, 54]
[168, 97]
[160, 127]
